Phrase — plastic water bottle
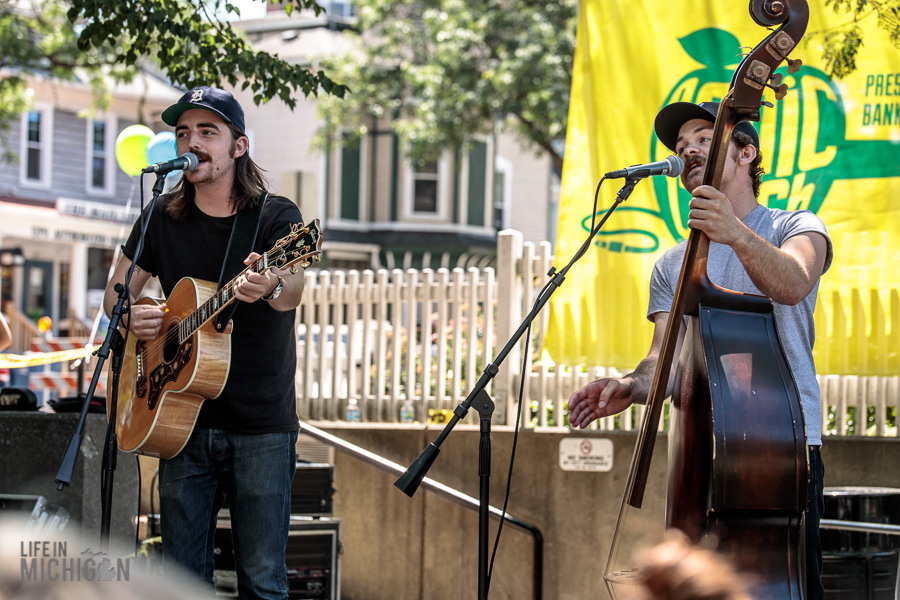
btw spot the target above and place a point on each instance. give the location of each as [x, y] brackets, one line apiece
[351, 414]
[408, 412]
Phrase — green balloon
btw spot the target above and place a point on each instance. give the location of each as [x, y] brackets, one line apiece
[131, 148]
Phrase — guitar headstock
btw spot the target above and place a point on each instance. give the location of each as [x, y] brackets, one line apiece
[302, 245]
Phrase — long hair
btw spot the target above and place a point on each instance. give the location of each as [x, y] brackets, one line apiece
[249, 184]
[756, 171]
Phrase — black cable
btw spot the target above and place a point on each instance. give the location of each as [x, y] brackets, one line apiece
[145, 222]
[531, 316]
[137, 529]
[126, 308]
[512, 457]
[154, 481]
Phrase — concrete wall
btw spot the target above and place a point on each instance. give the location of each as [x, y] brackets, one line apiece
[32, 446]
[427, 547]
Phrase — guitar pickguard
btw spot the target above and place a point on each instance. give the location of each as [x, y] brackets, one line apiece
[169, 371]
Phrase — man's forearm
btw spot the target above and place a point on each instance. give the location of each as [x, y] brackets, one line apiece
[292, 292]
[642, 377]
[777, 274]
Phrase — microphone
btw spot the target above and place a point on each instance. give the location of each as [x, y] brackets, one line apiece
[671, 166]
[186, 162]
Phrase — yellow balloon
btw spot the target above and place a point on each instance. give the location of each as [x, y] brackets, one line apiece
[131, 148]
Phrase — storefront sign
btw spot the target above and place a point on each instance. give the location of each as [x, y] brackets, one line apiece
[97, 210]
[96, 240]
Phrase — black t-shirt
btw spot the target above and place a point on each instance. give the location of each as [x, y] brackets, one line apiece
[259, 393]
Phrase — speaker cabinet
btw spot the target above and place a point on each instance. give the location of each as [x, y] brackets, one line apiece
[312, 491]
[312, 558]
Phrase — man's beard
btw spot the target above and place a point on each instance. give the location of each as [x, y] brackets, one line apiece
[195, 177]
[689, 165]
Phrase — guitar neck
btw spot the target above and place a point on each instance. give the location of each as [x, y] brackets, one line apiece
[302, 245]
[217, 302]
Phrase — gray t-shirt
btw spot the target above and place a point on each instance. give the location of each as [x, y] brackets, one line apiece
[796, 326]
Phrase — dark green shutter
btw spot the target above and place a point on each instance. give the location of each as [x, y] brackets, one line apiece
[350, 183]
[477, 180]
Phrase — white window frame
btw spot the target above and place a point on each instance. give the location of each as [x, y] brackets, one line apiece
[111, 123]
[46, 147]
[443, 179]
[505, 166]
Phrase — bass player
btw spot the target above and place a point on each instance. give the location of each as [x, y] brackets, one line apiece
[753, 249]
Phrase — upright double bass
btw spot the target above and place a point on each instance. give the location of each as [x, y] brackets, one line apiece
[738, 470]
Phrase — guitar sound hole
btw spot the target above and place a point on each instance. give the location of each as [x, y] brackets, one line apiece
[171, 347]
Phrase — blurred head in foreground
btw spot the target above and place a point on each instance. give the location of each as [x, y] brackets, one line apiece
[61, 565]
[677, 570]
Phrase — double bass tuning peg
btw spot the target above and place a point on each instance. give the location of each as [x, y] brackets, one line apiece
[779, 46]
[757, 76]
[776, 85]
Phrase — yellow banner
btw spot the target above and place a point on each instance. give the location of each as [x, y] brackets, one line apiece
[831, 146]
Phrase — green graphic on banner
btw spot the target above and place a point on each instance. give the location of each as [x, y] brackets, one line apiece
[802, 141]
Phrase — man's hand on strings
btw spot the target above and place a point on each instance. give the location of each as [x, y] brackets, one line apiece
[712, 213]
[599, 399]
[250, 286]
[146, 320]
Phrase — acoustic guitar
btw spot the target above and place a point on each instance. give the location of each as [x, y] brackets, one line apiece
[164, 381]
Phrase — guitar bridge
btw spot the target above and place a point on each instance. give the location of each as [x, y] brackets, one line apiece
[140, 366]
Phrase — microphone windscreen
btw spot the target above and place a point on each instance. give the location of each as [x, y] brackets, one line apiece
[676, 166]
[192, 161]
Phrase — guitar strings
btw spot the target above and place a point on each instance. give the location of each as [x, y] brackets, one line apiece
[175, 332]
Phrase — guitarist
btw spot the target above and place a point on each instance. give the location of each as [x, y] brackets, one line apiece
[243, 445]
[753, 249]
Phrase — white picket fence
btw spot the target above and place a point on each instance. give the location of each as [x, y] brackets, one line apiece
[424, 336]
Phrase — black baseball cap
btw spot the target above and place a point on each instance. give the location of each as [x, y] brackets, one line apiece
[670, 119]
[212, 99]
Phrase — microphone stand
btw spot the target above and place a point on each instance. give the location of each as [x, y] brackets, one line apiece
[478, 398]
[115, 342]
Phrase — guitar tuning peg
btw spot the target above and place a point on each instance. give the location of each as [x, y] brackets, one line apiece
[794, 66]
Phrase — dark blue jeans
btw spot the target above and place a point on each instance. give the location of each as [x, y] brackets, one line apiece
[254, 473]
[814, 589]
